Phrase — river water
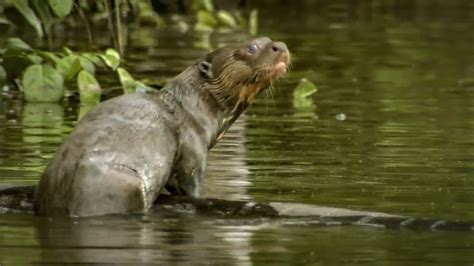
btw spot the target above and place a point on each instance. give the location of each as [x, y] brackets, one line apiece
[390, 129]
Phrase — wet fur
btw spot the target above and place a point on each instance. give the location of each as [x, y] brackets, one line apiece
[128, 149]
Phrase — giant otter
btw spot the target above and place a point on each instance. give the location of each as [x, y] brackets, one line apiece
[125, 151]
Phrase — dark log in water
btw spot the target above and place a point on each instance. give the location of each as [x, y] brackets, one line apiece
[20, 199]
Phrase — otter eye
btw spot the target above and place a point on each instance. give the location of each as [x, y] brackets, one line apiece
[252, 49]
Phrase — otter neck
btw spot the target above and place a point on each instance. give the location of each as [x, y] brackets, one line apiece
[213, 115]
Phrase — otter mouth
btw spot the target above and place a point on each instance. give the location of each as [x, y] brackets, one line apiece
[280, 67]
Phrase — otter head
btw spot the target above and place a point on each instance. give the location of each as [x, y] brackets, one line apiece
[236, 74]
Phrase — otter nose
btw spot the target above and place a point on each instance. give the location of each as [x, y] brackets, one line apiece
[279, 47]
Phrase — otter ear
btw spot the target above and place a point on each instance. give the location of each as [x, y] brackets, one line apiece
[206, 69]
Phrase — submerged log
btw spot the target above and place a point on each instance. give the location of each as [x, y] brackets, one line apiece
[20, 199]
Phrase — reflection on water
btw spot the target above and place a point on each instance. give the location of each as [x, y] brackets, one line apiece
[401, 73]
[192, 240]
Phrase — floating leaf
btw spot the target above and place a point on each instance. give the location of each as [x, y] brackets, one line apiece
[227, 19]
[61, 8]
[301, 93]
[69, 66]
[43, 11]
[42, 83]
[111, 58]
[29, 15]
[89, 88]
[17, 44]
[305, 88]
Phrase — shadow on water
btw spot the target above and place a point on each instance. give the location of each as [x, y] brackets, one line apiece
[400, 73]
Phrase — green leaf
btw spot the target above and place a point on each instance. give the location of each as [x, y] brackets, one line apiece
[69, 66]
[111, 58]
[305, 88]
[301, 93]
[42, 83]
[3, 76]
[29, 15]
[4, 20]
[94, 58]
[35, 58]
[203, 5]
[227, 19]
[15, 62]
[18, 44]
[240, 19]
[253, 22]
[87, 65]
[61, 8]
[84, 108]
[49, 56]
[206, 18]
[129, 84]
[207, 4]
[202, 27]
[43, 11]
[67, 50]
[89, 88]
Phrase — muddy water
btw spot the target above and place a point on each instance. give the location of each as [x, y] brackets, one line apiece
[390, 129]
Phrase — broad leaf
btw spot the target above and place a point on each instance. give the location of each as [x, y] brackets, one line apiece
[202, 27]
[49, 56]
[253, 22]
[42, 83]
[43, 11]
[15, 62]
[130, 85]
[111, 58]
[206, 18]
[18, 44]
[36, 59]
[302, 92]
[87, 65]
[4, 20]
[69, 66]
[203, 5]
[227, 19]
[3, 77]
[89, 88]
[61, 8]
[29, 15]
[95, 59]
